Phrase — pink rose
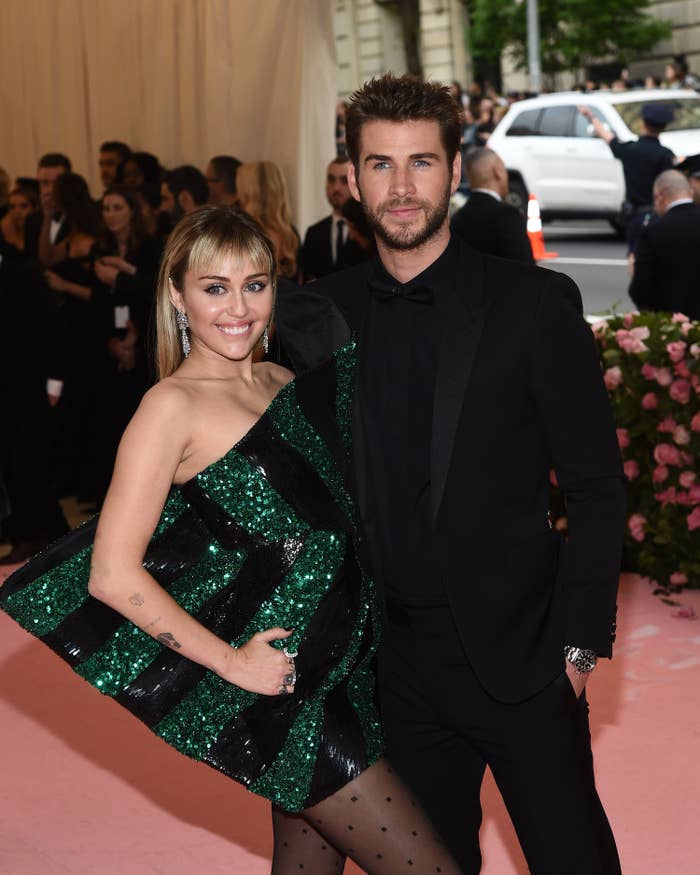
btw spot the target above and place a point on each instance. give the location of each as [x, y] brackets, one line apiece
[648, 371]
[676, 350]
[695, 422]
[631, 469]
[636, 524]
[628, 320]
[683, 498]
[667, 425]
[664, 377]
[660, 474]
[650, 401]
[598, 328]
[623, 438]
[668, 496]
[685, 328]
[631, 341]
[667, 454]
[680, 391]
[686, 459]
[695, 350]
[687, 478]
[681, 436]
[612, 378]
[681, 370]
[679, 317]
[693, 520]
[694, 493]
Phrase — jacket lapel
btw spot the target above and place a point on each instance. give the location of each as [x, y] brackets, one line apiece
[459, 323]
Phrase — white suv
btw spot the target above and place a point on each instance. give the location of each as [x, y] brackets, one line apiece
[551, 150]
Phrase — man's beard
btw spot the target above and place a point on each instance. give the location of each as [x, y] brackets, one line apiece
[408, 238]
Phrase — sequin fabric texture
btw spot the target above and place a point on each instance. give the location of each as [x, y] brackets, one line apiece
[265, 536]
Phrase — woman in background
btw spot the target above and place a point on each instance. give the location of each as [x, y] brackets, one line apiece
[23, 201]
[262, 194]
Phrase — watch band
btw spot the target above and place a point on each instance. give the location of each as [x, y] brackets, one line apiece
[583, 661]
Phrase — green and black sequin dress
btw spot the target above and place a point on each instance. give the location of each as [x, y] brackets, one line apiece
[263, 537]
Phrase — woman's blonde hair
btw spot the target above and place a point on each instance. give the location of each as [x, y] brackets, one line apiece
[262, 193]
[200, 240]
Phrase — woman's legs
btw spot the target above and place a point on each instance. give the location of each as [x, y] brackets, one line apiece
[373, 820]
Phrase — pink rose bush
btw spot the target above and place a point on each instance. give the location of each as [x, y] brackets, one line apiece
[651, 369]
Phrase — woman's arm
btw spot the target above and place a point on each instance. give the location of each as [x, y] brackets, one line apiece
[58, 284]
[150, 452]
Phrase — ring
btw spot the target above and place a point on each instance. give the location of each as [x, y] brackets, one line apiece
[290, 679]
[288, 654]
[282, 691]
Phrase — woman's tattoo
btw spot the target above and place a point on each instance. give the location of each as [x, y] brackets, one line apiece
[168, 639]
[136, 599]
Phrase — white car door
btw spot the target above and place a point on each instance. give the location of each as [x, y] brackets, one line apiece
[553, 157]
[597, 180]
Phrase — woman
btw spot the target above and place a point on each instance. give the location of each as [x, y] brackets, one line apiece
[228, 538]
[125, 262]
[23, 201]
[262, 193]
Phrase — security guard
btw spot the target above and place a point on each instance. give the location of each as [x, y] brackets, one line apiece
[642, 161]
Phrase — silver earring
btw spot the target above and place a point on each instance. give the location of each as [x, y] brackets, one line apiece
[266, 341]
[183, 324]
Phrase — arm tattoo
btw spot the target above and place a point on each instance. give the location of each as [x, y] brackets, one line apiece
[136, 599]
[168, 639]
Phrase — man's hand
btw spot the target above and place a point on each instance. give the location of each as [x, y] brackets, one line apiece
[577, 679]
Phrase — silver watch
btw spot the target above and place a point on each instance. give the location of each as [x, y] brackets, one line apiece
[583, 661]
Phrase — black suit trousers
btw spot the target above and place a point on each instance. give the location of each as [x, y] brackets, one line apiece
[443, 729]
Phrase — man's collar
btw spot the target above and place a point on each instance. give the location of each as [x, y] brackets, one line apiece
[679, 202]
[433, 276]
[494, 194]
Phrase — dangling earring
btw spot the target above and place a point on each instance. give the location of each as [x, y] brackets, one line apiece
[183, 324]
[266, 341]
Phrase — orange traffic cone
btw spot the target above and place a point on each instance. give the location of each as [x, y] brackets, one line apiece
[534, 231]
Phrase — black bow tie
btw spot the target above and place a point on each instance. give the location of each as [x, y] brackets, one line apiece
[57, 216]
[383, 290]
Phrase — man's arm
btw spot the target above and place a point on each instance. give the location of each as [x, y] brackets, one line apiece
[602, 130]
[577, 420]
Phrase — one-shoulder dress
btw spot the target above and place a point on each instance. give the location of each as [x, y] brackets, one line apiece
[265, 536]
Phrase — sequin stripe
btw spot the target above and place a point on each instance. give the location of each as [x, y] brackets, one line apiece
[130, 650]
[175, 505]
[295, 429]
[288, 779]
[45, 601]
[345, 369]
[243, 492]
[195, 723]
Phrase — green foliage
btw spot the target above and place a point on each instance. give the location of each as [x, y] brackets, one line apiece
[573, 33]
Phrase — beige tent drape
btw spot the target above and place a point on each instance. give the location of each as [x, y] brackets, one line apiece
[184, 79]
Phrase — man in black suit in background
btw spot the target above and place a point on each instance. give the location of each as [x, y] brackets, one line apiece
[51, 166]
[667, 261]
[477, 376]
[486, 222]
[326, 247]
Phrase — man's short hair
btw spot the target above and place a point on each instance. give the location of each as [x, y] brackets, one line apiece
[55, 159]
[225, 167]
[401, 99]
[340, 159]
[188, 178]
[116, 146]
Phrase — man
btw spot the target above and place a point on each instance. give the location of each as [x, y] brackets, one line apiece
[31, 378]
[49, 218]
[183, 190]
[667, 264]
[485, 222]
[326, 246]
[642, 160]
[475, 378]
[112, 153]
[221, 179]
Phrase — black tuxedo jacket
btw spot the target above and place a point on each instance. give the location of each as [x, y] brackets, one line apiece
[518, 392]
[667, 263]
[317, 255]
[493, 228]
[32, 232]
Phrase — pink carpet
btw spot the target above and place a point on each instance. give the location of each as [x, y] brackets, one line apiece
[85, 789]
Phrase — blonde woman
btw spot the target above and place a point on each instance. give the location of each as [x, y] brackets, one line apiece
[262, 193]
[221, 599]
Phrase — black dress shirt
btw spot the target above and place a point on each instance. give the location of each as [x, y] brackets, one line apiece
[397, 383]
